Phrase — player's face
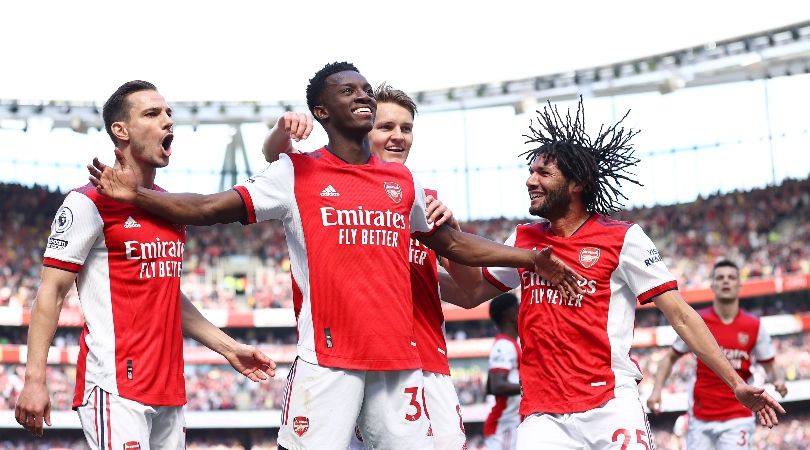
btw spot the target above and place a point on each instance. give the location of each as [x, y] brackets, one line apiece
[392, 135]
[549, 194]
[150, 128]
[348, 102]
[726, 283]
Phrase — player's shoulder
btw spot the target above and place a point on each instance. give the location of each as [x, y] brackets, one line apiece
[542, 226]
[504, 340]
[610, 223]
[613, 229]
[706, 312]
[87, 191]
[748, 318]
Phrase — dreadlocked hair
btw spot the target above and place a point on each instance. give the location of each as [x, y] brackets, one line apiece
[600, 165]
[318, 81]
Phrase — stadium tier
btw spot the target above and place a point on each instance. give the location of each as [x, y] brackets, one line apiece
[239, 277]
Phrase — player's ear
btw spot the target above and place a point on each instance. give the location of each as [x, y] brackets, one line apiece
[120, 131]
[573, 186]
[320, 113]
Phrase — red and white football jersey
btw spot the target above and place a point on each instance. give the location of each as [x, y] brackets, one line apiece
[428, 316]
[504, 357]
[129, 264]
[348, 229]
[741, 341]
[576, 351]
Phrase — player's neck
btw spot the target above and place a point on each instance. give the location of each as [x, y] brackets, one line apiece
[510, 331]
[569, 223]
[350, 148]
[145, 175]
[726, 311]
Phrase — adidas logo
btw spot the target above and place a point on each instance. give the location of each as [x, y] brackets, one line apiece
[131, 223]
[329, 191]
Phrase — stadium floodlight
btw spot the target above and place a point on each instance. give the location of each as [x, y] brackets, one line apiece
[527, 105]
[78, 125]
[14, 124]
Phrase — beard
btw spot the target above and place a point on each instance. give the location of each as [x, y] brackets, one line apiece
[142, 154]
[554, 205]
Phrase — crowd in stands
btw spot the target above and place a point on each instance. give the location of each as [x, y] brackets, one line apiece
[219, 387]
[196, 439]
[766, 230]
[792, 433]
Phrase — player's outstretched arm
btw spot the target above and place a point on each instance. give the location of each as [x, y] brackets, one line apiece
[466, 292]
[661, 375]
[691, 328]
[119, 183]
[245, 359]
[291, 126]
[34, 404]
[472, 250]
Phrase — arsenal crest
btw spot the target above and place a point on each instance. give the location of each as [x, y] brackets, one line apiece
[393, 190]
[742, 338]
[300, 425]
[132, 445]
[588, 256]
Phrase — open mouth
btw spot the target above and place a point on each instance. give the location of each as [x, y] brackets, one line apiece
[363, 110]
[394, 149]
[534, 195]
[167, 143]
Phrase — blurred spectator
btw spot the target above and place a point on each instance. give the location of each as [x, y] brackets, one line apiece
[766, 231]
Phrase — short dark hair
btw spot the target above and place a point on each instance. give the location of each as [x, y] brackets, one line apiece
[116, 108]
[500, 304]
[386, 94]
[318, 81]
[724, 263]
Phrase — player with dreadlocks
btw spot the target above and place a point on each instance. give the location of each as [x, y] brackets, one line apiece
[348, 218]
[579, 383]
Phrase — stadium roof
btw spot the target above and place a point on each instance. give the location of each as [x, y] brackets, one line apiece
[266, 51]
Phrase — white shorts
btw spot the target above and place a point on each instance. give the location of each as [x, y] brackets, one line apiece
[322, 405]
[504, 438]
[444, 411]
[441, 406]
[621, 423]
[113, 422]
[731, 434]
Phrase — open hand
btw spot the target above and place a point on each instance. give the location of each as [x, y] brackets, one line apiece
[557, 273]
[118, 182]
[757, 400]
[251, 362]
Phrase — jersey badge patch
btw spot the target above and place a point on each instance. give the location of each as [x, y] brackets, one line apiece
[131, 223]
[300, 425]
[742, 338]
[588, 256]
[393, 190]
[63, 220]
[132, 445]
